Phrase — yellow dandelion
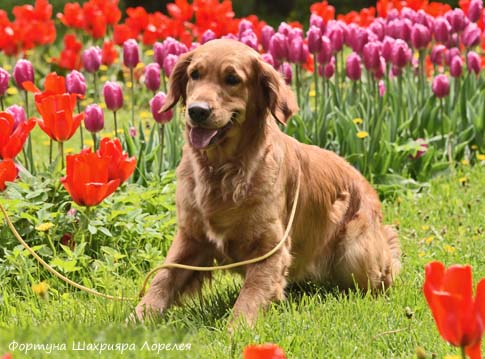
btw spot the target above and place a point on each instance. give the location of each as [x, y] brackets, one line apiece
[425, 227]
[480, 157]
[104, 78]
[12, 91]
[41, 289]
[474, 147]
[103, 68]
[89, 143]
[119, 131]
[102, 105]
[429, 240]
[149, 52]
[46, 143]
[362, 134]
[449, 249]
[7, 67]
[452, 357]
[465, 162]
[463, 180]
[139, 66]
[69, 150]
[358, 121]
[106, 135]
[129, 84]
[145, 114]
[312, 93]
[44, 227]
[421, 254]
[84, 103]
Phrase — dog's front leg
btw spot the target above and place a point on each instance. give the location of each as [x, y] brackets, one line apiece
[264, 282]
[170, 283]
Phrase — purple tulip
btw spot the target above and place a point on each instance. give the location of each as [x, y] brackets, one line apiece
[207, 36]
[132, 131]
[267, 33]
[441, 86]
[437, 55]
[353, 67]
[380, 70]
[250, 39]
[91, 58]
[420, 36]
[268, 59]
[401, 54]
[456, 66]
[409, 14]
[230, 37]
[152, 76]
[18, 114]
[335, 32]
[314, 38]
[284, 29]
[378, 27]
[158, 53]
[4, 79]
[169, 64]
[424, 19]
[298, 51]
[442, 29]
[471, 35]
[295, 33]
[392, 15]
[475, 10]
[156, 104]
[371, 55]
[356, 38]
[244, 25]
[75, 83]
[113, 96]
[474, 62]
[317, 21]
[399, 29]
[131, 53]
[396, 71]
[23, 71]
[278, 47]
[287, 73]
[329, 69]
[93, 118]
[450, 54]
[457, 19]
[387, 48]
[326, 53]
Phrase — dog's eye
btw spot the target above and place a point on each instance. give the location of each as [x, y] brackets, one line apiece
[232, 80]
[195, 75]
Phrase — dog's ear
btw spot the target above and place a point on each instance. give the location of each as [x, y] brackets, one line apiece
[178, 82]
[278, 97]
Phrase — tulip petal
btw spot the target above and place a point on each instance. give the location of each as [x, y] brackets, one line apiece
[474, 351]
[480, 299]
[30, 87]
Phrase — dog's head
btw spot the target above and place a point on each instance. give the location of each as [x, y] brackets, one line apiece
[224, 86]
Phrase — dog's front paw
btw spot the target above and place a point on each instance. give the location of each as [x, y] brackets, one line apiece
[145, 310]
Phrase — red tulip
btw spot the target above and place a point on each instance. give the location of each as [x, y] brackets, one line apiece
[460, 318]
[87, 178]
[264, 351]
[120, 166]
[8, 173]
[12, 135]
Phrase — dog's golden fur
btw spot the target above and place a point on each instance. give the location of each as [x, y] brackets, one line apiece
[234, 196]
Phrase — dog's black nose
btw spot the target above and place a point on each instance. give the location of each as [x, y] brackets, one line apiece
[199, 111]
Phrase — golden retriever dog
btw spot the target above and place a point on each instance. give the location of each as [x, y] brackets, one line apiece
[236, 185]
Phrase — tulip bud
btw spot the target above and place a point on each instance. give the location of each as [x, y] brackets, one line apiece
[152, 76]
[131, 54]
[356, 38]
[267, 33]
[207, 36]
[268, 58]
[387, 48]
[450, 54]
[408, 13]
[382, 88]
[244, 25]
[456, 66]
[442, 29]
[471, 35]
[314, 38]
[325, 55]
[378, 27]
[18, 114]
[317, 21]
[420, 36]
[93, 118]
[23, 71]
[380, 70]
[169, 64]
[457, 19]
[132, 131]
[284, 29]
[425, 19]
[335, 33]
[353, 67]
[278, 47]
[441, 86]
[475, 10]
[158, 53]
[91, 58]
[287, 73]
[156, 104]
[371, 55]
[401, 54]
[4, 79]
[474, 62]
[298, 52]
[113, 96]
[75, 83]
[437, 55]
[230, 37]
[250, 39]
[329, 69]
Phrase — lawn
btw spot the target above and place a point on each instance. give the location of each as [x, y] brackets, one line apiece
[441, 222]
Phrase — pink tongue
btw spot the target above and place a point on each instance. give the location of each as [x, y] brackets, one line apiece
[201, 137]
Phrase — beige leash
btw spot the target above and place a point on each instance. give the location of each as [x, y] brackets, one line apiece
[167, 265]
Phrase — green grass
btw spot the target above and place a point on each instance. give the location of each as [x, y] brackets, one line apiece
[442, 223]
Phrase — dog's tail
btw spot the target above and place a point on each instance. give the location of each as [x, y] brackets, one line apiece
[395, 249]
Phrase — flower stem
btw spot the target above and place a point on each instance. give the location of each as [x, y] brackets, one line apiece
[60, 147]
[2, 105]
[50, 150]
[81, 131]
[161, 134]
[116, 123]
[463, 353]
[315, 80]
[95, 141]
[30, 155]
[95, 84]
[132, 79]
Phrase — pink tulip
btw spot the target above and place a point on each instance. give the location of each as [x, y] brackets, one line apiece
[278, 47]
[23, 71]
[457, 19]
[420, 36]
[471, 36]
[378, 27]
[113, 96]
[382, 88]
[329, 69]
[156, 104]
[169, 64]
[268, 58]
[325, 54]
[158, 53]
[442, 29]
[424, 19]
[335, 32]
[456, 66]
[423, 148]
[207, 36]
[4, 79]
[387, 48]
[441, 86]
[450, 54]
[287, 73]
[267, 33]
[353, 67]
[243, 26]
[371, 55]
[475, 10]
[298, 51]
[152, 76]
[314, 38]
[357, 37]
[18, 114]
[409, 14]
[91, 59]
[317, 21]
[437, 55]
[401, 54]
[474, 62]
[284, 29]
[131, 53]
[380, 70]
[250, 39]
[93, 118]
[76, 83]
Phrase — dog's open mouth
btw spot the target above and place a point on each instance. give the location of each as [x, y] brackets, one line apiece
[201, 137]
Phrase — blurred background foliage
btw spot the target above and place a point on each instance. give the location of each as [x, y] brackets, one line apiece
[272, 11]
